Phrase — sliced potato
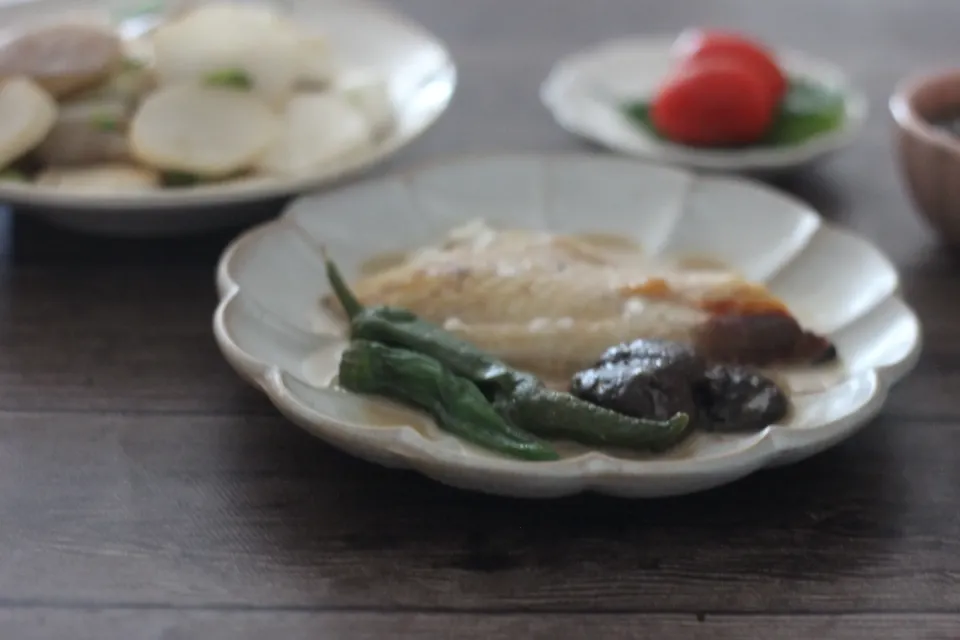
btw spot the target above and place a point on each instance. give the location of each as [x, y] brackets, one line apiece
[319, 127]
[208, 131]
[102, 178]
[87, 131]
[62, 58]
[27, 114]
[230, 39]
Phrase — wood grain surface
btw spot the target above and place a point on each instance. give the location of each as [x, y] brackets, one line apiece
[147, 493]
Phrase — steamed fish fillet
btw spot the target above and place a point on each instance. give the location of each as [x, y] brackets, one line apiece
[520, 277]
[475, 289]
[552, 304]
[551, 321]
[557, 348]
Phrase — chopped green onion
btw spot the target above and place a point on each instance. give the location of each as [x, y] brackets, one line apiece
[233, 78]
[132, 64]
[105, 122]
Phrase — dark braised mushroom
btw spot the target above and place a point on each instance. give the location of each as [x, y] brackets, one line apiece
[735, 398]
[650, 379]
[655, 379]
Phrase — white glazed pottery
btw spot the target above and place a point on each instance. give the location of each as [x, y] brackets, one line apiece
[271, 328]
[368, 40]
[584, 91]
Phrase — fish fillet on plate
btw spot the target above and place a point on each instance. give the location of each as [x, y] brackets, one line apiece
[552, 303]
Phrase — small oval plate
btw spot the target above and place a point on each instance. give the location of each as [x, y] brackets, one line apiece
[584, 93]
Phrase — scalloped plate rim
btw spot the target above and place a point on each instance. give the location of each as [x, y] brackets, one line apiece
[419, 454]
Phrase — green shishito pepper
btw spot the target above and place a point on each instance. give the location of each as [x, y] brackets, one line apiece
[403, 328]
[806, 111]
[555, 414]
[455, 403]
[518, 397]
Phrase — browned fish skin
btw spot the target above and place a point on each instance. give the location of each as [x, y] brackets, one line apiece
[761, 340]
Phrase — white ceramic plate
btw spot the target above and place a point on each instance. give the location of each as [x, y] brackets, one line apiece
[270, 327]
[365, 37]
[584, 90]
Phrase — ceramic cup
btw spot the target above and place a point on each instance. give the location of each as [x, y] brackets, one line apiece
[929, 156]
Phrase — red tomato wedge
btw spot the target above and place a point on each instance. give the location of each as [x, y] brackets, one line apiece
[695, 45]
[712, 103]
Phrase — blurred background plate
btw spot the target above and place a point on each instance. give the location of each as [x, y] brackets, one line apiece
[584, 91]
[367, 40]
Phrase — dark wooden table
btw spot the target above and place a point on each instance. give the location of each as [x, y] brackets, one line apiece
[145, 492]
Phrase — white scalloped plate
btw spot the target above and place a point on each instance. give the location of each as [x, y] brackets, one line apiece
[365, 37]
[271, 329]
[583, 90]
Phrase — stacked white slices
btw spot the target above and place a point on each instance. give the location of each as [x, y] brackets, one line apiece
[27, 114]
[242, 90]
[220, 93]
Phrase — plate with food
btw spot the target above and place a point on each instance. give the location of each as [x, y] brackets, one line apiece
[707, 99]
[544, 325]
[164, 117]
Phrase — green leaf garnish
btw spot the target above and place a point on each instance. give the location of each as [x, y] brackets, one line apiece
[807, 110]
[232, 78]
[639, 113]
[179, 179]
[132, 64]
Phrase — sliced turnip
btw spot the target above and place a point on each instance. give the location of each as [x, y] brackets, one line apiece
[233, 41]
[27, 114]
[62, 58]
[130, 84]
[319, 128]
[318, 67]
[87, 131]
[139, 51]
[208, 131]
[103, 178]
[369, 93]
